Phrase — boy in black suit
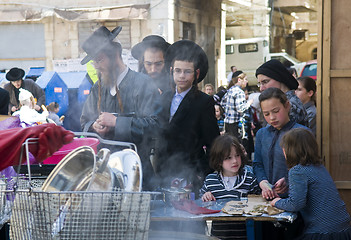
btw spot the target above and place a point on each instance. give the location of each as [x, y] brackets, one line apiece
[190, 125]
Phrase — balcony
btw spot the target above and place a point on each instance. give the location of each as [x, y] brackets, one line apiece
[297, 6]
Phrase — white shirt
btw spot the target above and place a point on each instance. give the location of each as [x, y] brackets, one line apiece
[228, 181]
[118, 82]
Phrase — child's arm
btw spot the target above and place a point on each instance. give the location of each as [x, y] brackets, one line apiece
[298, 188]
[208, 196]
[274, 201]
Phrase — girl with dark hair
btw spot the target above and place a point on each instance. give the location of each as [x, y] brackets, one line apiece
[231, 179]
[312, 191]
[306, 91]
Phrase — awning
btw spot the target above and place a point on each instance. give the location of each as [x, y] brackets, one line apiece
[88, 14]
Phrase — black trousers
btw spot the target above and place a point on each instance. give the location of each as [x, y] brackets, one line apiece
[232, 129]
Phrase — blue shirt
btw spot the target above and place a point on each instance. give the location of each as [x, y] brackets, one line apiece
[269, 161]
[177, 99]
[312, 192]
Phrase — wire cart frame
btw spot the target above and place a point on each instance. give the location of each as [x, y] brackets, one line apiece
[36, 214]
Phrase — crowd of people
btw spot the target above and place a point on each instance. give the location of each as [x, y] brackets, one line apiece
[204, 138]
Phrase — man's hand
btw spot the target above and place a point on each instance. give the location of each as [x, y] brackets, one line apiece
[107, 119]
[208, 196]
[14, 109]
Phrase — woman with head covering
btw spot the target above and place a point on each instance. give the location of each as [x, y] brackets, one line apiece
[274, 74]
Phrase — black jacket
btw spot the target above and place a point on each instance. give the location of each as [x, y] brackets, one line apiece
[4, 101]
[187, 138]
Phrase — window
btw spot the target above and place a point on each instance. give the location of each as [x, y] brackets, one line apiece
[248, 47]
[229, 49]
[189, 31]
[314, 53]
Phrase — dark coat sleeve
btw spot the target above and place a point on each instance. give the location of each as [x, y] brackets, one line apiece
[4, 101]
[90, 112]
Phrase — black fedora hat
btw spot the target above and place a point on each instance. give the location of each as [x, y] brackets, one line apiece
[149, 41]
[15, 74]
[186, 50]
[101, 38]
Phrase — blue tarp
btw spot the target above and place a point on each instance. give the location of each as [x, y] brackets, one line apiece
[72, 79]
[35, 72]
[55, 89]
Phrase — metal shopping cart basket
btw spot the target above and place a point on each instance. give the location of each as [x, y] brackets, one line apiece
[38, 214]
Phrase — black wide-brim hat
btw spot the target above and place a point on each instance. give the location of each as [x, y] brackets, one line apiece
[154, 41]
[100, 39]
[15, 74]
[276, 70]
[186, 50]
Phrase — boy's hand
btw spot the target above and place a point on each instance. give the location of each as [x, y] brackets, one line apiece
[280, 186]
[208, 196]
[267, 190]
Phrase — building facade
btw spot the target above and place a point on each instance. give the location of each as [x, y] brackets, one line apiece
[50, 33]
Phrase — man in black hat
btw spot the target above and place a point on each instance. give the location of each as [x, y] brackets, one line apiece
[191, 125]
[150, 54]
[123, 105]
[274, 74]
[15, 76]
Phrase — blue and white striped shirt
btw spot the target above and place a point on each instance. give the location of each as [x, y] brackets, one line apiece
[246, 183]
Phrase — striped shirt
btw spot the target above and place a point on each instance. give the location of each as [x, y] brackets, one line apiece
[246, 183]
[234, 104]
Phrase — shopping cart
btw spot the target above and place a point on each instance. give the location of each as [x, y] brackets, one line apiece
[37, 214]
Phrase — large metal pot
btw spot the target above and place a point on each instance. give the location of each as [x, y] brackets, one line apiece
[81, 170]
[127, 162]
[175, 194]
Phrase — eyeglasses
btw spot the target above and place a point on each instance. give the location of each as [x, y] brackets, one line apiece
[187, 72]
[157, 64]
[263, 82]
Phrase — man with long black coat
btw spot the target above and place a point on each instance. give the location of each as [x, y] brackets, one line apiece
[190, 124]
[123, 105]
